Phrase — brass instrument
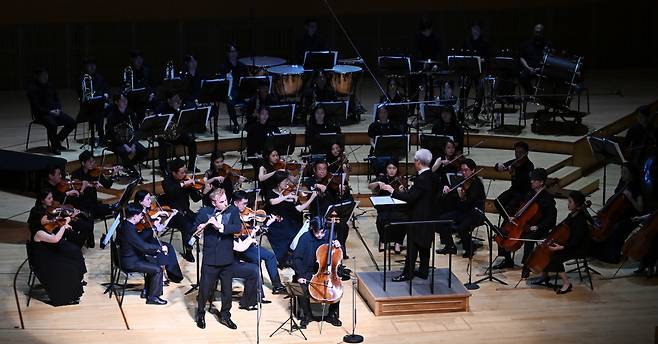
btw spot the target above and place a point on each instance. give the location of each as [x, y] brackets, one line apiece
[124, 132]
[128, 79]
[170, 72]
[87, 87]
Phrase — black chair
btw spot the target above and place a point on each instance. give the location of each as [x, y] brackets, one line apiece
[585, 265]
[116, 257]
[31, 278]
[29, 129]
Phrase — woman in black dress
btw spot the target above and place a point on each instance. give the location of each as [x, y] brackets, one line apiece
[281, 233]
[317, 124]
[267, 170]
[57, 263]
[396, 234]
[447, 125]
[442, 167]
[337, 161]
[214, 180]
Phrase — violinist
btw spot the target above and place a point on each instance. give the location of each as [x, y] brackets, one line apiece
[254, 251]
[337, 161]
[318, 124]
[93, 178]
[539, 228]
[178, 189]
[219, 175]
[268, 168]
[65, 193]
[119, 118]
[281, 233]
[470, 199]
[519, 168]
[137, 254]
[56, 184]
[305, 265]
[577, 222]
[259, 131]
[152, 224]
[382, 126]
[173, 105]
[447, 125]
[394, 178]
[449, 163]
[57, 263]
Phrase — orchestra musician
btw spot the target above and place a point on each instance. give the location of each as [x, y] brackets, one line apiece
[262, 98]
[447, 125]
[192, 81]
[267, 170]
[305, 265]
[173, 105]
[99, 88]
[420, 200]
[91, 182]
[236, 69]
[258, 132]
[178, 189]
[531, 54]
[219, 175]
[427, 43]
[120, 120]
[578, 223]
[641, 137]
[382, 126]
[57, 263]
[538, 229]
[337, 159]
[318, 124]
[444, 166]
[393, 93]
[647, 265]
[311, 40]
[393, 177]
[47, 110]
[138, 255]
[466, 217]
[520, 169]
[219, 223]
[141, 79]
[478, 46]
[154, 222]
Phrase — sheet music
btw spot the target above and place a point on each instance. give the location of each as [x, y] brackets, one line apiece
[111, 230]
[385, 200]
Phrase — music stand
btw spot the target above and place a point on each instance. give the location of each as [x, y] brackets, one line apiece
[465, 65]
[319, 60]
[397, 113]
[90, 110]
[385, 203]
[151, 127]
[335, 112]
[607, 151]
[215, 90]
[322, 142]
[123, 201]
[431, 112]
[294, 290]
[434, 143]
[391, 145]
[282, 115]
[394, 65]
[284, 144]
[193, 120]
[248, 86]
[138, 99]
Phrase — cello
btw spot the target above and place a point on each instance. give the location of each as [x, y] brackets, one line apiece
[614, 208]
[325, 285]
[519, 224]
[639, 243]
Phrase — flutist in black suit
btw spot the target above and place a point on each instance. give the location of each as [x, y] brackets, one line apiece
[420, 202]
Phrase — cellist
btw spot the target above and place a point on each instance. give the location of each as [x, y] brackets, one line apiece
[305, 265]
[577, 222]
[538, 230]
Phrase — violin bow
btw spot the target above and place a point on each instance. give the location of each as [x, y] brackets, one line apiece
[465, 180]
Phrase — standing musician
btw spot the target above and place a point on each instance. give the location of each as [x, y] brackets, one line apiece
[258, 132]
[531, 54]
[420, 200]
[284, 204]
[540, 228]
[172, 105]
[254, 250]
[191, 80]
[122, 121]
[520, 169]
[471, 197]
[47, 110]
[447, 125]
[93, 178]
[219, 175]
[219, 223]
[578, 223]
[394, 178]
[232, 66]
[428, 45]
[154, 222]
[99, 88]
[382, 126]
[318, 124]
[305, 265]
[267, 169]
[57, 263]
[138, 255]
[311, 40]
[179, 189]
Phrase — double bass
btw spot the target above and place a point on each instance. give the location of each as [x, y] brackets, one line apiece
[325, 285]
[519, 224]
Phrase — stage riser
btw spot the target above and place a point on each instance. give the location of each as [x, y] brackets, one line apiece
[418, 306]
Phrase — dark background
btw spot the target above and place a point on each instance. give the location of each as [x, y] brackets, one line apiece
[57, 36]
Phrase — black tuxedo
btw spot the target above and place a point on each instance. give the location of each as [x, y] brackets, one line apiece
[133, 251]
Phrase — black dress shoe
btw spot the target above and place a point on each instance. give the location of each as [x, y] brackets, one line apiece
[90, 243]
[56, 151]
[279, 290]
[201, 321]
[228, 323]
[142, 295]
[542, 282]
[263, 301]
[334, 321]
[401, 278]
[504, 265]
[467, 255]
[420, 275]
[236, 129]
[304, 323]
[565, 291]
[187, 255]
[525, 273]
[155, 301]
[448, 249]
[247, 308]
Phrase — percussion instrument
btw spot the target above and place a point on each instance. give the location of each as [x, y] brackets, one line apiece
[344, 78]
[287, 79]
[258, 64]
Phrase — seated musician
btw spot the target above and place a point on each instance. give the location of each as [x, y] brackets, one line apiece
[178, 191]
[323, 91]
[137, 255]
[267, 169]
[121, 119]
[647, 265]
[578, 222]
[393, 93]
[428, 44]
[466, 217]
[281, 233]
[336, 159]
[93, 178]
[236, 69]
[382, 126]
[476, 45]
[219, 223]
[531, 54]
[262, 98]
[539, 228]
[630, 188]
[141, 78]
[447, 125]
[444, 165]
[47, 109]
[217, 177]
[100, 88]
[152, 224]
[637, 142]
[254, 250]
[57, 263]
[384, 216]
[519, 168]
[167, 143]
[258, 132]
[305, 266]
[317, 124]
[191, 80]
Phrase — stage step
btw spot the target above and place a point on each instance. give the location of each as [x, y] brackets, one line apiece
[587, 185]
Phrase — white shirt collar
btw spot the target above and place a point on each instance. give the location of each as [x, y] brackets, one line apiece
[423, 170]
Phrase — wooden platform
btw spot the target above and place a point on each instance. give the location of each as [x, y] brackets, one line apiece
[397, 301]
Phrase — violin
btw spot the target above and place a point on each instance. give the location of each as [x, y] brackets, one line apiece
[232, 174]
[148, 221]
[54, 223]
[638, 244]
[105, 171]
[292, 167]
[614, 208]
[197, 185]
[325, 285]
[519, 224]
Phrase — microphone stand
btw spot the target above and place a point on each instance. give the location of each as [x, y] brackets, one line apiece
[195, 286]
[353, 338]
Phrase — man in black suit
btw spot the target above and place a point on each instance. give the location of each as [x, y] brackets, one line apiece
[219, 223]
[134, 250]
[420, 202]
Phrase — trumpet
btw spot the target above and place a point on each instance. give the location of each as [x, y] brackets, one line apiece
[87, 87]
[128, 80]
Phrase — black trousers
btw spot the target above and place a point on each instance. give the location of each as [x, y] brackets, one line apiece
[395, 234]
[51, 122]
[165, 147]
[511, 200]
[252, 284]
[185, 224]
[413, 252]
[153, 273]
[464, 224]
[207, 283]
[305, 304]
[140, 153]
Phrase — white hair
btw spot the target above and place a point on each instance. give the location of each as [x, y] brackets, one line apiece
[423, 156]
